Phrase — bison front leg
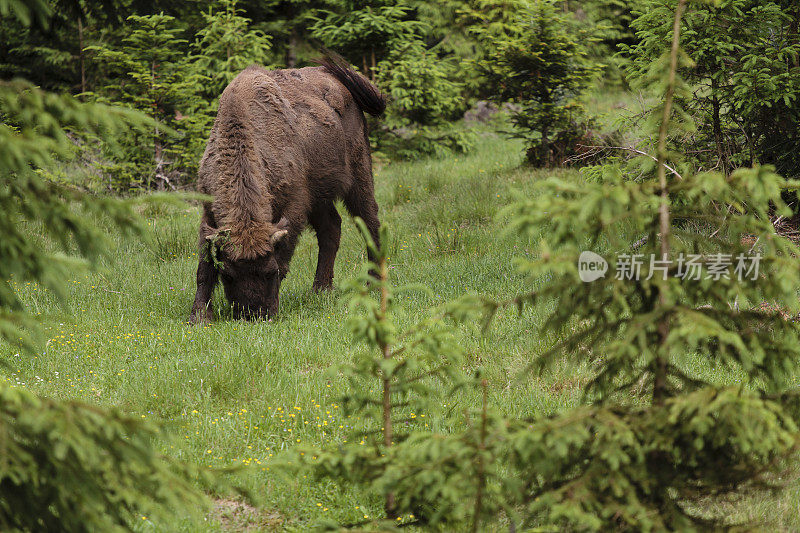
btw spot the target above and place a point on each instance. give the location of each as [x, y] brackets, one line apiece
[207, 277]
[207, 274]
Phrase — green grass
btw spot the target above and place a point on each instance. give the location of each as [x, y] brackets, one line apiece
[246, 392]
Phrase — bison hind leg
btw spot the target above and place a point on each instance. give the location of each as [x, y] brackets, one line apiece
[360, 202]
[327, 225]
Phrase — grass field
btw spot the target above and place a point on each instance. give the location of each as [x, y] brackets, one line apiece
[245, 393]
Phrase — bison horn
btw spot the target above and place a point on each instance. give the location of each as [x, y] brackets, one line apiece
[283, 223]
[277, 236]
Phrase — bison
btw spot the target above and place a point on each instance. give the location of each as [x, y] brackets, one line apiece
[285, 145]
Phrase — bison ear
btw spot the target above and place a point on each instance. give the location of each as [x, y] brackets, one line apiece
[277, 236]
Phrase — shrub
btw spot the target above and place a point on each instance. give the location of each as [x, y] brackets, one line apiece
[423, 477]
[154, 73]
[389, 43]
[418, 82]
[226, 46]
[66, 466]
[74, 467]
[538, 62]
[365, 31]
[422, 98]
[746, 74]
[151, 73]
[656, 464]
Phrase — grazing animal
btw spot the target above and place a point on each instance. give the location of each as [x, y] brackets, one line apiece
[284, 146]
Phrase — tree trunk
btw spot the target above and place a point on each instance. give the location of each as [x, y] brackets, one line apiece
[81, 55]
[480, 468]
[157, 159]
[661, 362]
[717, 124]
[794, 30]
[544, 156]
[291, 49]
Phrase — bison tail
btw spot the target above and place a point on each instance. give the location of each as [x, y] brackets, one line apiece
[366, 95]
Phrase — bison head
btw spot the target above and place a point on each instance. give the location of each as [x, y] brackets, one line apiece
[251, 281]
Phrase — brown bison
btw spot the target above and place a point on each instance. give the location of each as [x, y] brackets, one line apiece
[285, 145]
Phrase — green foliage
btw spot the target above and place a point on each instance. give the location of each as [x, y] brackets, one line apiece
[426, 478]
[151, 73]
[536, 61]
[609, 22]
[29, 54]
[610, 19]
[658, 442]
[65, 466]
[413, 141]
[51, 53]
[422, 98]
[74, 467]
[174, 65]
[649, 467]
[26, 11]
[655, 463]
[419, 84]
[33, 134]
[150, 58]
[227, 45]
[445, 34]
[390, 43]
[745, 79]
[289, 23]
[364, 31]
[492, 19]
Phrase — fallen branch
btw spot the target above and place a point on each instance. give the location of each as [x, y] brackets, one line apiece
[634, 150]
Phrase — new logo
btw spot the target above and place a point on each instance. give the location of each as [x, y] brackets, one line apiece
[591, 266]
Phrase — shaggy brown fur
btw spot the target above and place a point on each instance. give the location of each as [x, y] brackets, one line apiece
[285, 145]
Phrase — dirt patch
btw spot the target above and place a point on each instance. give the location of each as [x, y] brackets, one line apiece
[234, 515]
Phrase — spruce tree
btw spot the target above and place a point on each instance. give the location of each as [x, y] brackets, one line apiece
[289, 23]
[660, 441]
[746, 71]
[227, 45]
[538, 60]
[423, 99]
[390, 44]
[365, 31]
[150, 72]
[424, 477]
[66, 466]
[34, 134]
